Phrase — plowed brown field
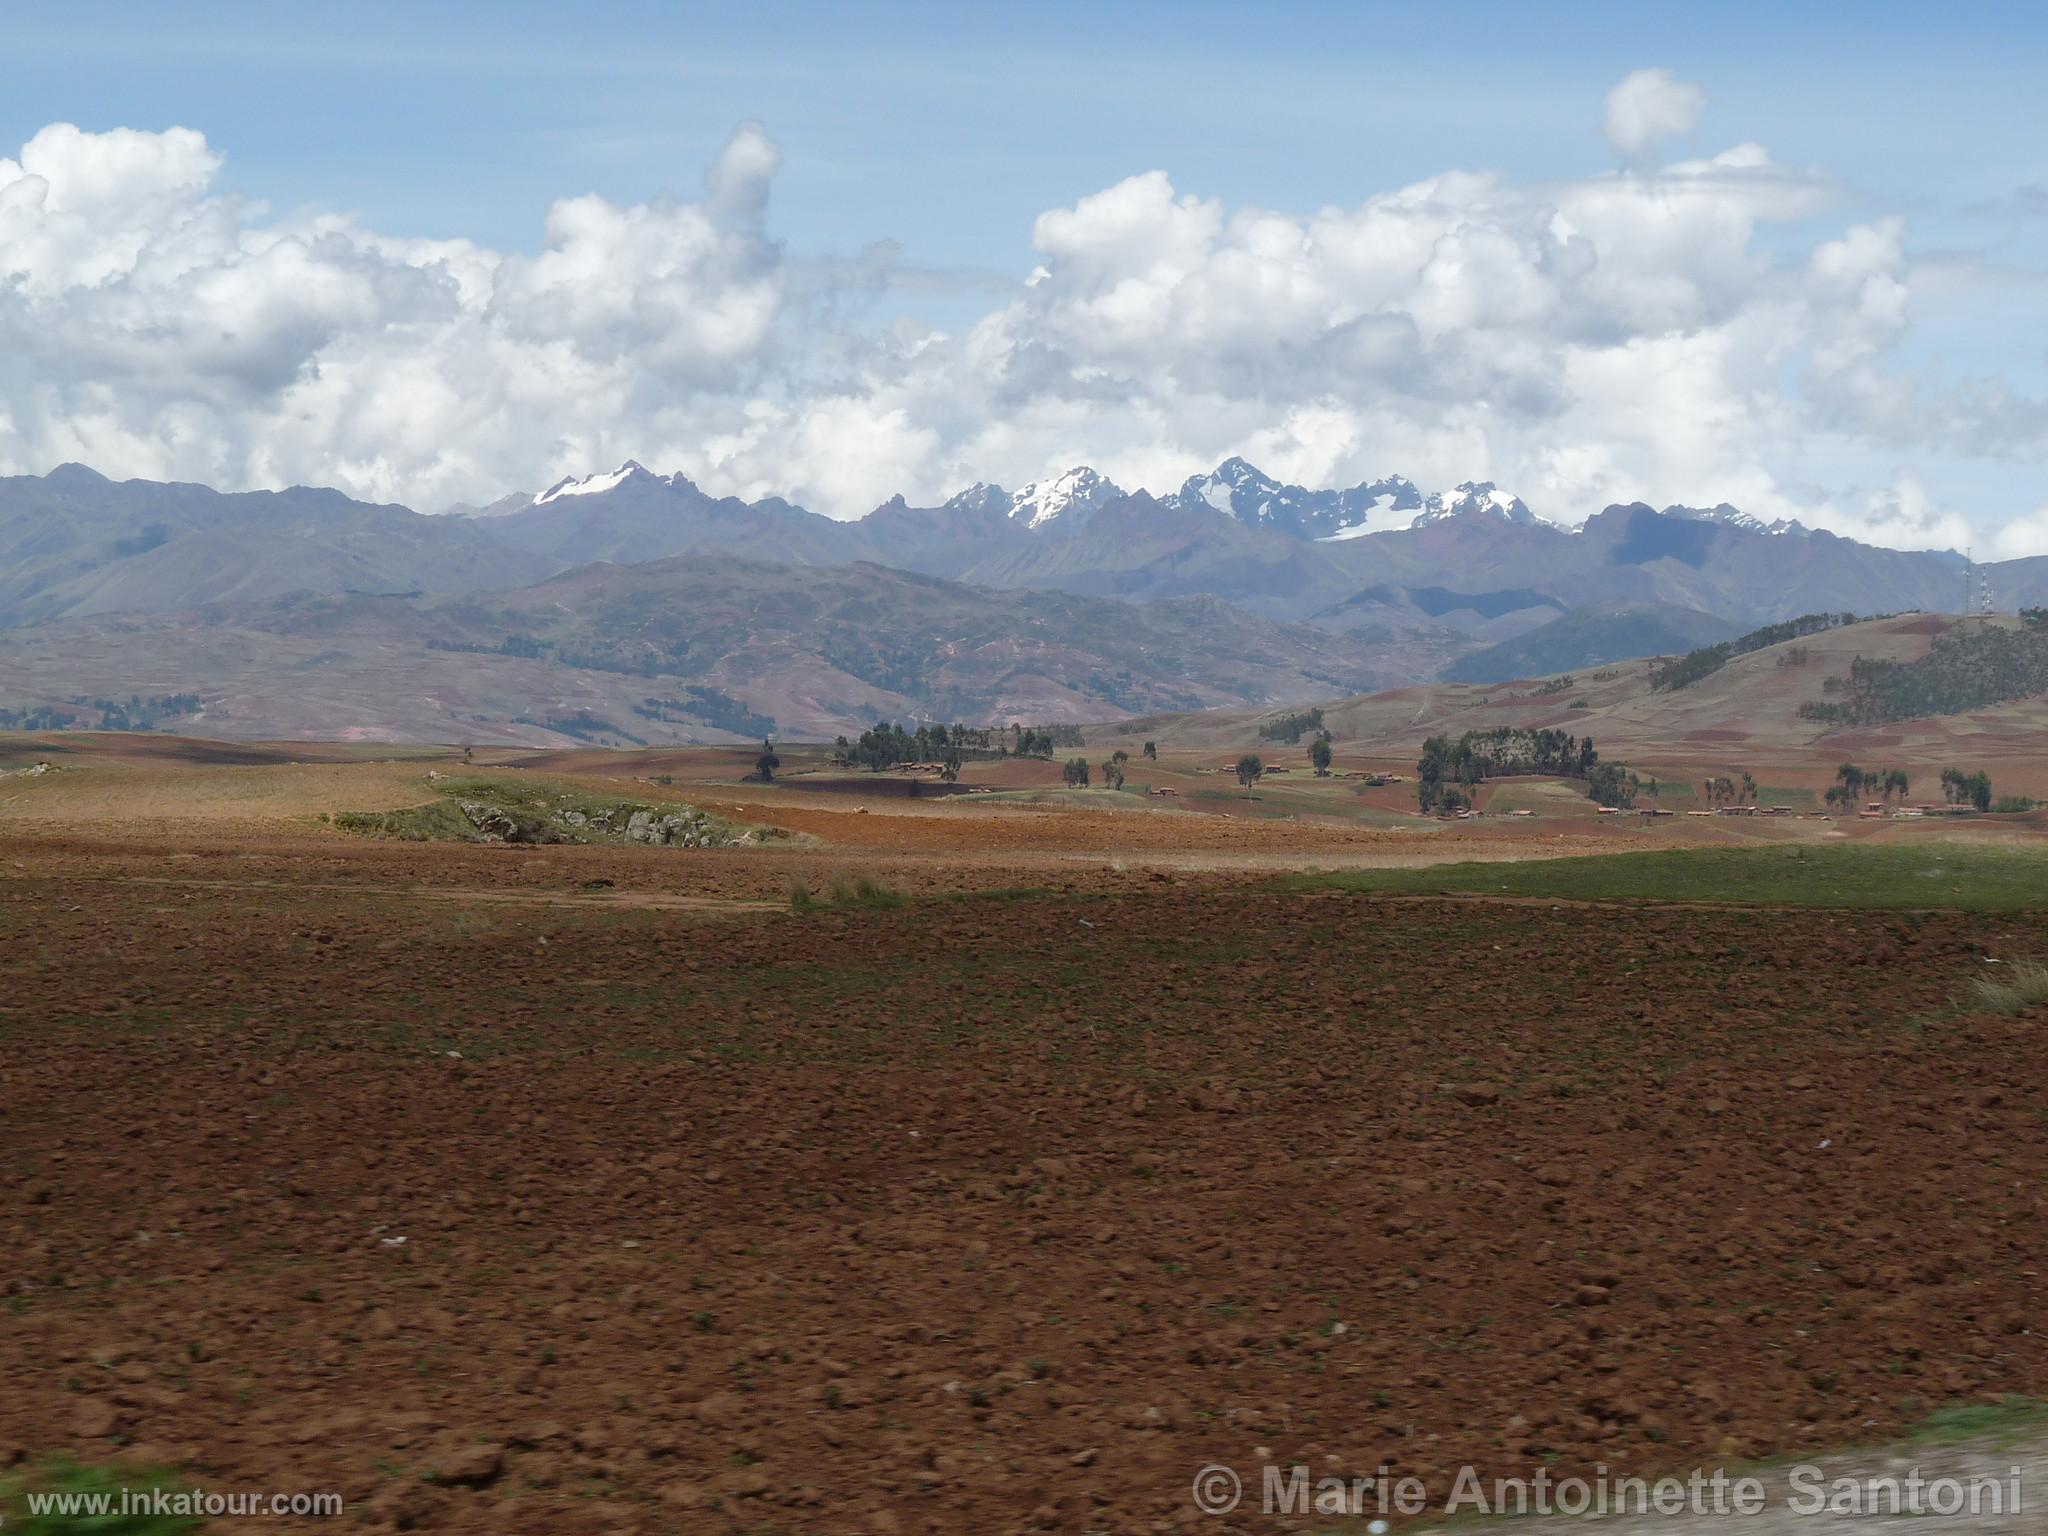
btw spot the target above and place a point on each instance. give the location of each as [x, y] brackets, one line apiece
[591, 1190]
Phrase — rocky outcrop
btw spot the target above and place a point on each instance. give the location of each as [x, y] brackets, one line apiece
[648, 826]
[497, 825]
[687, 829]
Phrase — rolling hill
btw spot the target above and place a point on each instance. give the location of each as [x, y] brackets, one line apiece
[696, 648]
[74, 543]
[1745, 714]
[1590, 636]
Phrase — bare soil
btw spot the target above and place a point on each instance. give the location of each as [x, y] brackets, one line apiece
[591, 1189]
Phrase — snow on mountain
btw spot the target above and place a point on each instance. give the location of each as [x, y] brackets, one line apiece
[980, 497]
[1258, 500]
[1073, 497]
[597, 485]
[1236, 488]
[1733, 517]
[1386, 513]
[504, 506]
[1476, 496]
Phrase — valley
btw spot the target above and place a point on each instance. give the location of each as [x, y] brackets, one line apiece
[630, 608]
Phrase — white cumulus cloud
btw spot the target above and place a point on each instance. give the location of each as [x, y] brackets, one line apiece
[2025, 535]
[1648, 107]
[1695, 331]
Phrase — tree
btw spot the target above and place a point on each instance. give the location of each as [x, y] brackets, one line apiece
[1250, 769]
[1429, 773]
[1319, 755]
[883, 746]
[1611, 784]
[1653, 787]
[1077, 773]
[1966, 788]
[1749, 790]
[950, 771]
[1292, 727]
[1152, 750]
[1896, 782]
[766, 764]
[1113, 773]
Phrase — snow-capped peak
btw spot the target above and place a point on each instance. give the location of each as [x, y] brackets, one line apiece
[979, 497]
[1239, 489]
[593, 485]
[1236, 488]
[1073, 496]
[1475, 496]
[1241, 472]
[1733, 517]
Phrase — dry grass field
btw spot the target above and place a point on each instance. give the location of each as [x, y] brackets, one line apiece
[1049, 1146]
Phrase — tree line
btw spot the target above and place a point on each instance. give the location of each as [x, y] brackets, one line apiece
[887, 744]
[1970, 667]
[1704, 662]
[1291, 728]
[135, 713]
[1854, 786]
[1450, 770]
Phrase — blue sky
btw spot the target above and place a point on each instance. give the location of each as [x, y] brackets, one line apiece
[947, 127]
[946, 130]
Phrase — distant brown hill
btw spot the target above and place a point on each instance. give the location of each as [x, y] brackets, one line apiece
[1745, 714]
[689, 649]
[74, 543]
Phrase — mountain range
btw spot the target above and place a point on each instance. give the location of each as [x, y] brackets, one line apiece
[1371, 585]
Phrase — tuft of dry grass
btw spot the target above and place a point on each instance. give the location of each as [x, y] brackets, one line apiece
[859, 891]
[2016, 986]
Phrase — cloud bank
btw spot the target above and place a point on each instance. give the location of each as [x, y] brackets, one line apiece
[1662, 331]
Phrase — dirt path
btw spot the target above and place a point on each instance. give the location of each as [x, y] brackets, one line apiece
[665, 901]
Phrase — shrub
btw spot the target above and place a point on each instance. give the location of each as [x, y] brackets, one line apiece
[857, 891]
[2016, 986]
[860, 891]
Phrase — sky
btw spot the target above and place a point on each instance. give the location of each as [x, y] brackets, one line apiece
[1790, 258]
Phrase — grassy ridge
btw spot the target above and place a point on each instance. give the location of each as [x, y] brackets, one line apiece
[1971, 878]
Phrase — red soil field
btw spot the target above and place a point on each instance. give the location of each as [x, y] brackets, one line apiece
[484, 1188]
